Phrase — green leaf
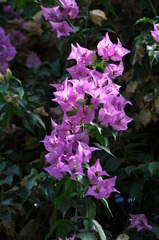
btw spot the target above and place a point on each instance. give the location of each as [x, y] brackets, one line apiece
[23, 193]
[20, 91]
[137, 187]
[5, 215]
[29, 124]
[108, 6]
[70, 189]
[144, 20]
[97, 227]
[105, 202]
[153, 167]
[2, 166]
[4, 87]
[57, 201]
[86, 236]
[13, 189]
[13, 170]
[29, 8]
[31, 179]
[90, 214]
[8, 180]
[95, 131]
[7, 202]
[37, 120]
[72, 113]
[112, 164]
[58, 224]
[129, 169]
[106, 149]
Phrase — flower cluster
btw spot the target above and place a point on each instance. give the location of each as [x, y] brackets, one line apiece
[139, 221]
[7, 51]
[88, 94]
[55, 16]
[155, 33]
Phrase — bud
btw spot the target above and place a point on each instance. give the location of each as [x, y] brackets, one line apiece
[8, 97]
[1, 78]
[97, 16]
[8, 74]
[123, 236]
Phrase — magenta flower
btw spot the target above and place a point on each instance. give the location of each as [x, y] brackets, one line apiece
[70, 8]
[66, 98]
[84, 152]
[95, 172]
[81, 54]
[17, 37]
[104, 46]
[102, 189]
[62, 28]
[114, 70]
[33, 61]
[155, 33]
[139, 221]
[56, 170]
[52, 14]
[107, 49]
[74, 167]
[79, 71]
[7, 51]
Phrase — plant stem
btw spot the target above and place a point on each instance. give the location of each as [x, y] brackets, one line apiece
[153, 9]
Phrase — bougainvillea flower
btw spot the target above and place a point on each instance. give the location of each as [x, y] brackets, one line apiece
[139, 221]
[70, 8]
[85, 152]
[7, 51]
[52, 14]
[155, 33]
[74, 166]
[62, 28]
[33, 61]
[17, 37]
[114, 70]
[81, 54]
[107, 49]
[104, 46]
[102, 189]
[79, 71]
[95, 171]
[56, 170]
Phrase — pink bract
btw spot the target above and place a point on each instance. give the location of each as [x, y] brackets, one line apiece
[62, 28]
[139, 221]
[155, 33]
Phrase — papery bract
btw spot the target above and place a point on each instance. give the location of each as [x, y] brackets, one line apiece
[102, 188]
[139, 221]
[81, 54]
[155, 33]
[70, 8]
[7, 51]
[62, 28]
[114, 70]
[95, 171]
[17, 37]
[107, 49]
[33, 61]
[52, 14]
